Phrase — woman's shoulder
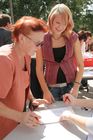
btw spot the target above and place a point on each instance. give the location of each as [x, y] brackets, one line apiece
[47, 35]
[47, 39]
[5, 50]
[5, 55]
[6, 64]
[73, 36]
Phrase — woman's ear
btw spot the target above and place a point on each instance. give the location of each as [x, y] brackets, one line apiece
[21, 38]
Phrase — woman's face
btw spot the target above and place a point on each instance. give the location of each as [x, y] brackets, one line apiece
[88, 41]
[32, 41]
[59, 24]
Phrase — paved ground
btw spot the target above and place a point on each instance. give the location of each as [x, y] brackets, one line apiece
[84, 93]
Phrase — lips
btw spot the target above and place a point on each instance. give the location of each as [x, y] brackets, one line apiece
[57, 29]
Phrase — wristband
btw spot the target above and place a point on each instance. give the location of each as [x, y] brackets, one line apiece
[77, 83]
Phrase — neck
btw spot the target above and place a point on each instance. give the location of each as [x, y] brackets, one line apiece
[18, 50]
[20, 55]
[56, 37]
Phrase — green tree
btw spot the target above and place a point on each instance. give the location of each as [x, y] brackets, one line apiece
[82, 14]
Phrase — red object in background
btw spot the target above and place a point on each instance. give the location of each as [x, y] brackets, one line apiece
[88, 62]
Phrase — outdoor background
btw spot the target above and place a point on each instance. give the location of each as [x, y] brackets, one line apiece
[82, 10]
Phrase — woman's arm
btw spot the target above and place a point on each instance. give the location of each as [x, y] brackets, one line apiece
[71, 100]
[84, 122]
[40, 74]
[27, 118]
[80, 67]
[84, 103]
[9, 113]
[36, 102]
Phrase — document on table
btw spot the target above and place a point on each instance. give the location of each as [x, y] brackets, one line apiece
[50, 128]
[52, 115]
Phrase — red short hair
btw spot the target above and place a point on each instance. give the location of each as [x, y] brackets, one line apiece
[26, 24]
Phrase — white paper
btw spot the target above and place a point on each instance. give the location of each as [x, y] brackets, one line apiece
[52, 115]
[50, 130]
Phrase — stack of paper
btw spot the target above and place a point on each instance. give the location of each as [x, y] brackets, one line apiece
[52, 115]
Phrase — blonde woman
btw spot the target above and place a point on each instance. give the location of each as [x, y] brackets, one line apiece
[60, 53]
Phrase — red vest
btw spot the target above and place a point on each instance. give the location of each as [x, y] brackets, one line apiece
[67, 64]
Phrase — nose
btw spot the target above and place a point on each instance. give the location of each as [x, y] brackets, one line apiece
[59, 26]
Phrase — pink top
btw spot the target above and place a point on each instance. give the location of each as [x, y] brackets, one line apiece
[13, 84]
[67, 64]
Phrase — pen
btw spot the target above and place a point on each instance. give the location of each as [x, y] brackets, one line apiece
[66, 98]
[32, 107]
[84, 108]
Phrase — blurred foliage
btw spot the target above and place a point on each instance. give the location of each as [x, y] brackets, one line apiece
[82, 12]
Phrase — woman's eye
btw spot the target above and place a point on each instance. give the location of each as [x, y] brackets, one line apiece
[57, 22]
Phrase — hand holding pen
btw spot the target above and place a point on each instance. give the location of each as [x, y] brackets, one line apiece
[69, 99]
[66, 98]
[29, 119]
[34, 119]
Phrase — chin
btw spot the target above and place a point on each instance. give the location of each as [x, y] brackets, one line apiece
[58, 33]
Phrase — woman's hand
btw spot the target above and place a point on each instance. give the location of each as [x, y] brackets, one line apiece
[49, 97]
[69, 99]
[37, 102]
[65, 115]
[30, 119]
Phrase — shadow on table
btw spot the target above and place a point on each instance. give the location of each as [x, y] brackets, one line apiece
[25, 133]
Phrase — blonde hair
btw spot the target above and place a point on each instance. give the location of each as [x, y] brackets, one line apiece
[63, 10]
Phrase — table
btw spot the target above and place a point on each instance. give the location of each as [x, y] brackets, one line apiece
[88, 73]
[55, 131]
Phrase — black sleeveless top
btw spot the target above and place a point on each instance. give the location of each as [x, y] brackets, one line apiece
[59, 54]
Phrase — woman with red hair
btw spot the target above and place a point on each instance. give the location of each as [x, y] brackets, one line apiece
[14, 74]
